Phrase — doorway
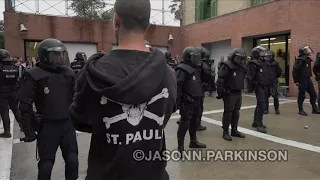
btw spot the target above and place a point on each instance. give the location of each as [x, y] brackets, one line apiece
[280, 46]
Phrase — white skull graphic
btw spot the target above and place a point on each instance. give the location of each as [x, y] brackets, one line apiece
[134, 113]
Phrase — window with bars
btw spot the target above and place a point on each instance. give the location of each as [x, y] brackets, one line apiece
[205, 9]
[258, 2]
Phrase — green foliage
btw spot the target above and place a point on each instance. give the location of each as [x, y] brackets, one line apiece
[1, 40]
[93, 9]
[176, 9]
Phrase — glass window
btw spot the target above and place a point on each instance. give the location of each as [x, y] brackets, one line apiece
[263, 42]
[205, 9]
[258, 2]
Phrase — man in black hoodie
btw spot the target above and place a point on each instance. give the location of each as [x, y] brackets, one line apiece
[125, 99]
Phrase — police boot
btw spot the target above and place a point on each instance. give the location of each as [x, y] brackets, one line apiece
[226, 135]
[254, 124]
[262, 129]
[180, 145]
[236, 133]
[266, 111]
[6, 134]
[277, 111]
[196, 144]
[315, 110]
[201, 128]
[303, 113]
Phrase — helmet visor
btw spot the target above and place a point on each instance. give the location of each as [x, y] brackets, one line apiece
[240, 59]
[196, 59]
[307, 50]
[58, 57]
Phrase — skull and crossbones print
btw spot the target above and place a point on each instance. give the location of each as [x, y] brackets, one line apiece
[134, 113]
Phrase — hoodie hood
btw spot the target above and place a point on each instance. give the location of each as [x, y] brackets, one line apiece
[126, 76]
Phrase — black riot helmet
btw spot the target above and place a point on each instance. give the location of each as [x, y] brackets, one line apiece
[305, 50]
[259, 52]
[192, 55]
[81, 56]
[238, 56]
[270, 55]
[53, 53]
[5, 56]
[167, 54]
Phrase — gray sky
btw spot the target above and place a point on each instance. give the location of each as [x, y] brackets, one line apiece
[59, 9]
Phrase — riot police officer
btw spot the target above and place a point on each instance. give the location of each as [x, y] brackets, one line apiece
[189, 97]
[169, 59]
[248, 78]
[80, 61]
[258, 72]
[275, 73]
[51, 86]
[230, 84]
[302, 74]
[9, 76]
[316, 71]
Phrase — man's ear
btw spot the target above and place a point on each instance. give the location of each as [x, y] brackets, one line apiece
[116, 20]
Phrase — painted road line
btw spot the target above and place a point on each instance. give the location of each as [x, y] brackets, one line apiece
[6, 153]
[204, 113]
[268, 137]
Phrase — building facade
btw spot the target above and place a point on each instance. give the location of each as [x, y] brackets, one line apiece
[78, 34]
[280, 25]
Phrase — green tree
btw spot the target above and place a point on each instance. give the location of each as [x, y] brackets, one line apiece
[177, 10]
[1, 34]
[93, 9]
[1, 25]
[107, 15]
[1, 40]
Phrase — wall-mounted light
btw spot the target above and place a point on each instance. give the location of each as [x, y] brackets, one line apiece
[170, 37]
[23, 28]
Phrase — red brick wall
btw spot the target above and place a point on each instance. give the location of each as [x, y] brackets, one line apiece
[300, 17]
[75, 30]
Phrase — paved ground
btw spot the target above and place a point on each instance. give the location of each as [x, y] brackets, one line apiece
[285, 132]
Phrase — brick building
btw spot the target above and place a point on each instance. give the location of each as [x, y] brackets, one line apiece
[280, 25]
[219, 25]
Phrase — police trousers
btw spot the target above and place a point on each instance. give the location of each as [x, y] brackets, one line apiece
[51, 136]
[273, 91]
[190, 114]
[261, 97]
[306, 85]
[8, 100]
[231, 114]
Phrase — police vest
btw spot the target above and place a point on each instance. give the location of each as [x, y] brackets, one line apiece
[263, 75]
[76, 66]
[10, 76]
[193, 84]
[54, 94]
[306, 67]
[273, 70]
[235, 81]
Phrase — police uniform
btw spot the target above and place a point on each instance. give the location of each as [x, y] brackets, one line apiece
[170, 62]
[316, 71]
[260, 75]
[230, 84]
[302, 74]
[79, 62]
[275, 73]
[50, 86]
[9, 76]
[189, 97]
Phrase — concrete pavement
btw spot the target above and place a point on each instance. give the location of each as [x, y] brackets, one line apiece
[285, 132]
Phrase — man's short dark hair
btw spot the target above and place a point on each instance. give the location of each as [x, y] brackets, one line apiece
[134, 14]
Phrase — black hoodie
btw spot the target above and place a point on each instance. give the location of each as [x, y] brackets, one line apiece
[125, 99]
